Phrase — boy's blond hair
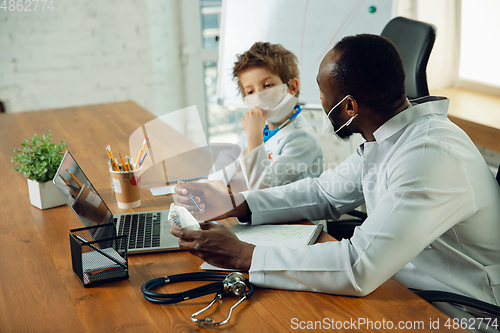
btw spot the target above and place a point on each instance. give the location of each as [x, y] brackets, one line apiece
[273, 57]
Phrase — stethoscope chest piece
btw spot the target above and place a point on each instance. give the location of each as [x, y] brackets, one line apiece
[234, 283]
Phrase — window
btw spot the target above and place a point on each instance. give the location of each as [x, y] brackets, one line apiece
[210, 22]
[479, 42]
[224, 125]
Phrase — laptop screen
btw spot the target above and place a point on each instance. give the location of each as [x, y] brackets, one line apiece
[80, 194]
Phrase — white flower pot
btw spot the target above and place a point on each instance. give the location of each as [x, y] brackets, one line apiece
[44, 195]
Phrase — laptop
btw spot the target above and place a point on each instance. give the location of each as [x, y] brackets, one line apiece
[147, 231]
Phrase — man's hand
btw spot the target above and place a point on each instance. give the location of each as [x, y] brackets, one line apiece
[216, 245]
[253, 123]
[215, 203]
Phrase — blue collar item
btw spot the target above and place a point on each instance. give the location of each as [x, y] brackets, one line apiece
[267, 134]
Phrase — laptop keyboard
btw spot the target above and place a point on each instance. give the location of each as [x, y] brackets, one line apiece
[143, 229]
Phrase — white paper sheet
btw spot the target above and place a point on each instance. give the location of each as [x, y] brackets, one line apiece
[162, 190]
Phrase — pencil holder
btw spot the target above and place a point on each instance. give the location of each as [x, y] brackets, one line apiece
[98, 255]
[125, 184]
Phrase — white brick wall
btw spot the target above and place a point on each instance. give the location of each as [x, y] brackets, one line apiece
[88, 52]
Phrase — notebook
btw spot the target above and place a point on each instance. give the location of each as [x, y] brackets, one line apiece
[147, 231]
[279, 235]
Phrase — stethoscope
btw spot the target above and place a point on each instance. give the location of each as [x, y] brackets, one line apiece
[267, 133]
[233, 283]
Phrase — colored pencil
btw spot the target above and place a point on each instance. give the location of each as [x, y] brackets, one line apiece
[76, 180]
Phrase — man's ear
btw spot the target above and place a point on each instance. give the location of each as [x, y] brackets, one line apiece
[293, 86]
[351, 106]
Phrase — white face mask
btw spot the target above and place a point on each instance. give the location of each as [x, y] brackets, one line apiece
[275, 102]
[327, 123]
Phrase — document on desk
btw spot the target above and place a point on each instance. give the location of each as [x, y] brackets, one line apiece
[162, 190]
[279, 235]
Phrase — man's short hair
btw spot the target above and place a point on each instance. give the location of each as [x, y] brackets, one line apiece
[273, 57]
[370, 69]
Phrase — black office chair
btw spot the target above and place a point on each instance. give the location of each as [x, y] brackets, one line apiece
[414, 40]
[344, 228]
[473, 306]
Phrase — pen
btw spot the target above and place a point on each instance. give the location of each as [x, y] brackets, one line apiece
[140, 153]
[186, 179]
[196, 204]
[76, 180]
[142, 159]
[100, 251]
[118, 167]
[73, 193]
[68, 183]
[113, 165]
[124, 166]
[127, 159]
[144, 144]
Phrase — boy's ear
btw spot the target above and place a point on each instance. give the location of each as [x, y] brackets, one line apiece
[293, 86]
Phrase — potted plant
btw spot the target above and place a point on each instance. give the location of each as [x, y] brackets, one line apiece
[38, 160]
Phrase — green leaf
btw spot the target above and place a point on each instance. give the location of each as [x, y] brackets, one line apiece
[39, 158]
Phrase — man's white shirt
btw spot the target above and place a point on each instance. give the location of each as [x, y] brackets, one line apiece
[433, 214]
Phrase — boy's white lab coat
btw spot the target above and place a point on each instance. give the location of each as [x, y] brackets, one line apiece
[293, 153]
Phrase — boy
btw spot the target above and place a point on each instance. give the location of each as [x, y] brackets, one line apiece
[278, 146]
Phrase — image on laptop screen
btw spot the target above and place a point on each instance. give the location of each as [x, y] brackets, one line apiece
[80, 194]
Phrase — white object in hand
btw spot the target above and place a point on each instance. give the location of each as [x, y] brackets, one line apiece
[180, 217]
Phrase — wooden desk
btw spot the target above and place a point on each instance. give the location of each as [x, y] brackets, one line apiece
[39, 291]
[478, 114]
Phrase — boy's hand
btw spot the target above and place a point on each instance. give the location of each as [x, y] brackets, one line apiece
[253, 123]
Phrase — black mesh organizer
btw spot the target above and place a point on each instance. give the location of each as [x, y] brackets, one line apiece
[98, 254]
